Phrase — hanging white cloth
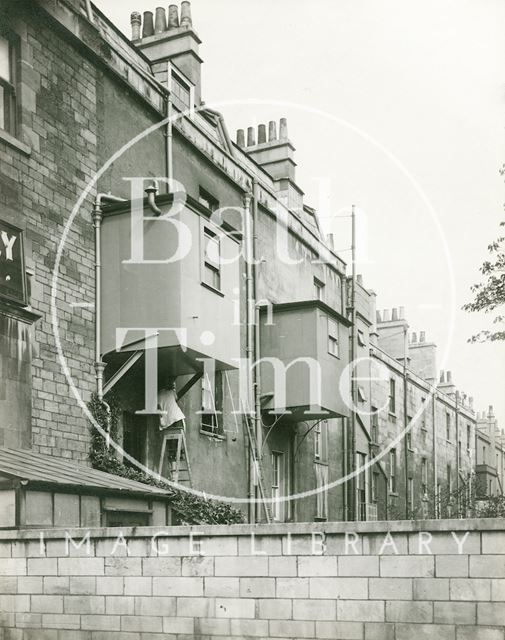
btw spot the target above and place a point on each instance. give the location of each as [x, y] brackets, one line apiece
[170, 410]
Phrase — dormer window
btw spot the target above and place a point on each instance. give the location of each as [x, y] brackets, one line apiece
[181, 92]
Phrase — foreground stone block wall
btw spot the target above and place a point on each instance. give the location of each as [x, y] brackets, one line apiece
[348, 581]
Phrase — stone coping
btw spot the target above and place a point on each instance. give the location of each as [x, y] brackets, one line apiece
[299, 528]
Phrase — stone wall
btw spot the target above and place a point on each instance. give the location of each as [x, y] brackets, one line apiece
[398, 581]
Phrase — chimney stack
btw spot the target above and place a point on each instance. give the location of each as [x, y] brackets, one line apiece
[251, 140]
[160, 23]
[262, 134]
[272, 131]
[173, 16]
[283, 129]
[240, 138]
[148, 26]
[136, 23]
[186, 14]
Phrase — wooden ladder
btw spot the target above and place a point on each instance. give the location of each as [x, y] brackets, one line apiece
[179, 468]
[258, 469]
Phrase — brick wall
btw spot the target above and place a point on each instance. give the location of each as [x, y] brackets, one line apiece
[436, 579]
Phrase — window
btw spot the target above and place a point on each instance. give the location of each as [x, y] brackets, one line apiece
[374, 425]
[181, 93]
[333, 344]
[317, 441]
[277, 482]
[361, 486]
[459, 452]
[212, 403]
[468, 437]
[409, 433]
[449, 478]
[448, 426]
[392, 471]
[319, 289]
[375, 487]
[208, 200]
[392, 395]
[424, 476]
[484, 460]
[8, 56]
[423, 414]
[322, 494]
[211, 259]
[410, 489]
[361, 338]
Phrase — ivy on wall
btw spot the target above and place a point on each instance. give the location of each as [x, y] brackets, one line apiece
[188, 508]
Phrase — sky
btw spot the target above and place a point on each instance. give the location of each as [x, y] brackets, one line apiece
[397, 107]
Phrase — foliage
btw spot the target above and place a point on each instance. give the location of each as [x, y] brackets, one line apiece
[188, 508]
[490, 294]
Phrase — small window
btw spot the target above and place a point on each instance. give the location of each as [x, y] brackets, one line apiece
[317, 441]
[333, 342]
[321, 441]
[449, 478]
[212, 403]
[392, 471]
[319, 289]
[208, 200]
[322, 493]
[424, 476]
[392, 395]
[375, 425]
[361, 485]
[468, 437]
[181, 92]
[375, 487]
[410, 489]
[448, 426]
[361, 338]
[409, 433]
[211, 259]
[8, 64]
[423, 414]
[277, 485]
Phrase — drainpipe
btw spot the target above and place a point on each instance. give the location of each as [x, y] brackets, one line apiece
[435, 447]
[405, 411]
[352, 503]
[456, 417]
[258, 425]
[169, 132]
[249, 341]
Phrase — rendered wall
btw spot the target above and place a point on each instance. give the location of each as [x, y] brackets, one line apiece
[433, 579]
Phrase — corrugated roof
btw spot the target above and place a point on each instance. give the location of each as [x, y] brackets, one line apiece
[23, 464]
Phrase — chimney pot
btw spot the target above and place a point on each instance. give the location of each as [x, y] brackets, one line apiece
[385, 315]
[148, 26]
[402, 313]
[173, 16]
[160, 23]
[449, 376]
[330, 240]
[442, 376]
[470, 402]
[414, 336]
[251, 140]
[240, 138]
[262, 134]
[422, 336]
[283, 129]
[378, 316]
[186, 14]
[136, 23]
[394, 314]
[359, 278]
[272, 131]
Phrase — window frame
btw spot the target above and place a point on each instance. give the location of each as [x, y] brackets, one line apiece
[10, 85]
[176, 79]
[393, 464]
[208, 265]
[392, 396]
[211, 421]
[333, 338]
[448, 426]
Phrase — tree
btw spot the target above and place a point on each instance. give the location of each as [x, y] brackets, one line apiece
[489, 296]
